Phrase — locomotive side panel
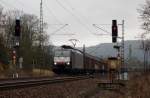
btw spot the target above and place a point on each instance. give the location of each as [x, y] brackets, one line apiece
[77, 60]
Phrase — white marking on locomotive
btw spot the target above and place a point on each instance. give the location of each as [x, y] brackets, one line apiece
[61, 59]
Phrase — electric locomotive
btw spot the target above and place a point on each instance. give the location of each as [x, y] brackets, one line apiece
[70, 61]
[62, 61]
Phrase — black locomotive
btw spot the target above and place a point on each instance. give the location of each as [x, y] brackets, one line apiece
[70, 61]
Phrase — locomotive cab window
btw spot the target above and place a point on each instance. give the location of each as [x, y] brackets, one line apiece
[62, 53]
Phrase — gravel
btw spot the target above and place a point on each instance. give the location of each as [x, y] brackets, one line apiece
[74, 89]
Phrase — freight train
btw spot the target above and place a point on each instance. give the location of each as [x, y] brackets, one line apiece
[70, 61]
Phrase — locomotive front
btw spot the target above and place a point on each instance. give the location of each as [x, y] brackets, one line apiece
[62, 61]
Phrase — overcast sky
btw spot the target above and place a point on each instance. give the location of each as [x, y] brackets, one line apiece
[80, 15]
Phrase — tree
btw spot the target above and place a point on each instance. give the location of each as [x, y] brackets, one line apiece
[144, 12]
[145, 46]
[4, 56]
[4, 52]
[30, 37]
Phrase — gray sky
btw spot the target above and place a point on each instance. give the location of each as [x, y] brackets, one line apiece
[80, 15]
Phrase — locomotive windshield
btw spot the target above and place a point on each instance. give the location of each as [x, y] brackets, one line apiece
[62, 53]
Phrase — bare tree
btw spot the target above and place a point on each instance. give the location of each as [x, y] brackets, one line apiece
[30, 36]
[4, 52]
[144, 12]
[145, 46]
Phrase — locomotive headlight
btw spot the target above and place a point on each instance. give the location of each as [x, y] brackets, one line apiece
[55, 63]
[68, 63]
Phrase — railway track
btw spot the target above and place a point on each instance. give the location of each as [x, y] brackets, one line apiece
[8, 84]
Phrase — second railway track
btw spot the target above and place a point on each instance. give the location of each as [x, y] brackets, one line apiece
[31, 82]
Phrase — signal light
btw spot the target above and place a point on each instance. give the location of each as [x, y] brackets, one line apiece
[114, 31]
[17, 28]
[14, 56]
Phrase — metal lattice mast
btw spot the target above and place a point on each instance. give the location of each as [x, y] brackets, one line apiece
[41, 22]
[41, 37]
[122, 49]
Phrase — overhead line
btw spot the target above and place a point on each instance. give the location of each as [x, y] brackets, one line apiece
[58, 20]
[73, 9]
[84, 25]
[81, 16]
[101, 29]
[73, 15]
[58, 29]
[53, 14]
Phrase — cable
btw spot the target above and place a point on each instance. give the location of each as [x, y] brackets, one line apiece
[53, 14]
[58, 29]
[73, 15]
[81, 16]
[58, 20]
[101, 29]
[84, 25]
[73, 9]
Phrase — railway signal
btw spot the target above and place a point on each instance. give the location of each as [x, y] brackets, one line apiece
[16, 42]
[17, 28]
[114, 31]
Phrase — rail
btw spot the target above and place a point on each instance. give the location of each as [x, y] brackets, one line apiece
[14, 84]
